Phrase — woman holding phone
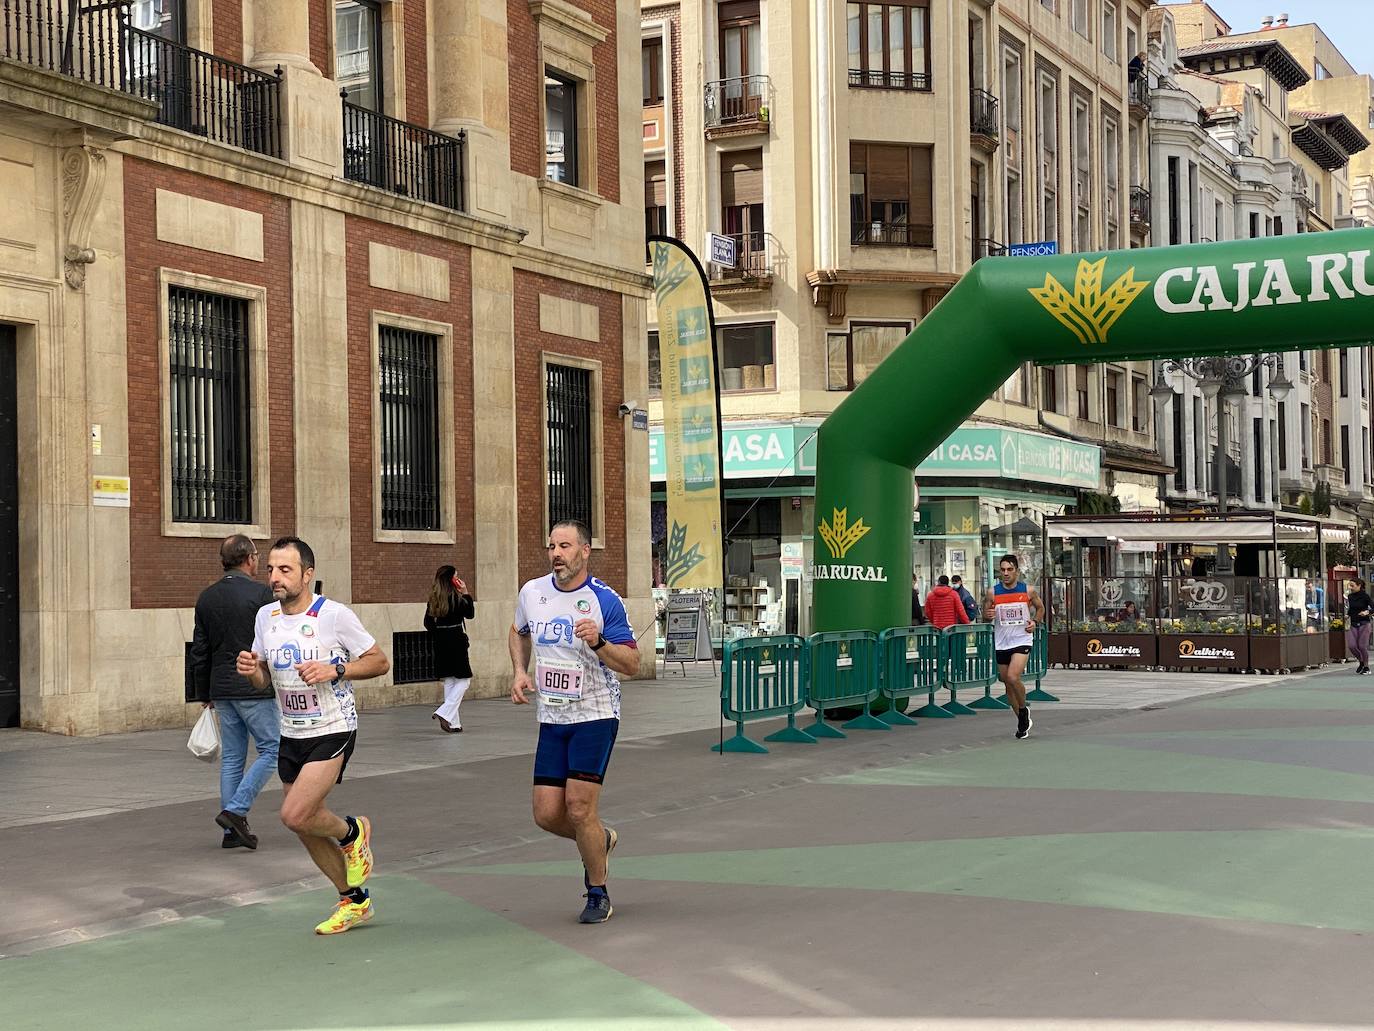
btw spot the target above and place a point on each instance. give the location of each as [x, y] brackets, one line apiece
[449, 606]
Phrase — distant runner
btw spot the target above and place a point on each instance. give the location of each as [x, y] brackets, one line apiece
[1009, 605]
[576, 628]
[312, 650]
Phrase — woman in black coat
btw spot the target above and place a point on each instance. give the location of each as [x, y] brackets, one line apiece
[449, 605]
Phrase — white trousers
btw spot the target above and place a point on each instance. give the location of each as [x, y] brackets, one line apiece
[454, 689]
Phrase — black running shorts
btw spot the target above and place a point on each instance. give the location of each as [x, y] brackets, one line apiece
[1003, 655]
[295, 752]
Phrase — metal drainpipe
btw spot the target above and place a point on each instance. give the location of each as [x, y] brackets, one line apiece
[824, 60]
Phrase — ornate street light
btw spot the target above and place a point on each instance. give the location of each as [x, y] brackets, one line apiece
[1222, 379]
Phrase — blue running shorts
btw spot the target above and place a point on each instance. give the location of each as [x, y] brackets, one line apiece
[574, 751]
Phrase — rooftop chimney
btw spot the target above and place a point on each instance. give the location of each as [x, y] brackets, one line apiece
[1282, 23]
[1267, 21]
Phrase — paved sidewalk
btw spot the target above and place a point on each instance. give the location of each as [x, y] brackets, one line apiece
[49, 777]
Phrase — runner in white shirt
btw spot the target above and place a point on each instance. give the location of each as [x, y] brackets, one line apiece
[312, 649]
[1015, 611]
[575, 626]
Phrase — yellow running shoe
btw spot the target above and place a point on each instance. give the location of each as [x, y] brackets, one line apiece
[358, 856]
[347, 914]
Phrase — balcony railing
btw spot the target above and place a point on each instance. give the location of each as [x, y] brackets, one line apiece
[986, 247]
[741, 101]
[1138, 92]
[194, 91]
[753, 258]
[863, 78]
[891, 234]
[402, 158]
[1140, 206]
[982, 109]
[206, 95]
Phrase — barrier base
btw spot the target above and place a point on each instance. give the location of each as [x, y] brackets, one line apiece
[896, 719]
[989, 702]
[793, 734]
[739, 743]
[1039, 694]
[958, 709]
[822, 729]
[866, 722]
[931, 711]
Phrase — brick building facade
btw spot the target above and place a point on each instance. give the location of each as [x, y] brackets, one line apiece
[241, 302]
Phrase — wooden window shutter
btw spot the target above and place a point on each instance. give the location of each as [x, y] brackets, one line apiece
[888, 175]
[922, 187]
[656, 184]
[741, 178]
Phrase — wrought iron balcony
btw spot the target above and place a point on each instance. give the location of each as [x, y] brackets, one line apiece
[863, 78]
[402, 158]
[1140, 206]
[986, 247]
[754, 255]
[737, 106]
[206, 95]
[195, 92]
[982, 109]
[891, 234]
[1138, 94]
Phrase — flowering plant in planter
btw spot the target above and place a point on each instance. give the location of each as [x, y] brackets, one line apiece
[1337, 623]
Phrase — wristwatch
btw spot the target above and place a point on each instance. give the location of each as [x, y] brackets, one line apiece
[600, 643]
[338, 670]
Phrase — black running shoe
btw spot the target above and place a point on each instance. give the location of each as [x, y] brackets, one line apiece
[598, 909]
[1023, 723]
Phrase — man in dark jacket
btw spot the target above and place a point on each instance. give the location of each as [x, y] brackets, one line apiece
[943, 607]
[225, 613]
[970, 603]
[917, 616]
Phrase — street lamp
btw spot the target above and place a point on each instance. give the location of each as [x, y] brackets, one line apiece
[1222, 379]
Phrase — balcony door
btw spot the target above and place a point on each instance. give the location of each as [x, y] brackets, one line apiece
[159, 65]
[741, 198]
[740, 57]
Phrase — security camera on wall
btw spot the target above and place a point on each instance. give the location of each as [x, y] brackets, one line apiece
[626, 407]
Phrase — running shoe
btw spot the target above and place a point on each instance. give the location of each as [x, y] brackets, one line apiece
[598, 909]
[358, 855]
[1023, 723]
[347, 914]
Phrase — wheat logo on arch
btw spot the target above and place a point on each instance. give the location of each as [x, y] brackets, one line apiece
[838, 535]
[1089, 312]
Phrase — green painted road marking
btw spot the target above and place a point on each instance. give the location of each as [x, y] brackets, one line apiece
[428, 959]
[1072, 765]
[1313, 699]
[1309, 878]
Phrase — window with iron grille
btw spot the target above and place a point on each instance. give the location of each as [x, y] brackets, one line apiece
[569, 443]
[408, 392]
[412, 657]
[209, 404]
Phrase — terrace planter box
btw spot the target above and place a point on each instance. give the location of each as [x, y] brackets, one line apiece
[1107, 650]
[1279, 651]
[1205, 651]
[1337, 649]
[1318, 648]
[1058, 649]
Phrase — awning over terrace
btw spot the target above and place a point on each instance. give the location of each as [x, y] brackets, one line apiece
[1199, 529]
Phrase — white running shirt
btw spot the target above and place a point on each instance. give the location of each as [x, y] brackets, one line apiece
[325, 631]
[574, 686]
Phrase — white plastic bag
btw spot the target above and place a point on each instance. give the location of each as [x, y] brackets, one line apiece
[204, 740]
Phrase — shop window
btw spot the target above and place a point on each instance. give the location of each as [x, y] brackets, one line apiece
[889, 45]
[560, 129]
[358, 51]
[891, 195]
[209, 406]
[746, 357]
[852, 356]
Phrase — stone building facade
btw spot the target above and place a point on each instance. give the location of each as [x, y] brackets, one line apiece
[398, 323]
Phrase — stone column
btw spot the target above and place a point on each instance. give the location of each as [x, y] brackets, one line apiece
[470, 70]
[281, 35]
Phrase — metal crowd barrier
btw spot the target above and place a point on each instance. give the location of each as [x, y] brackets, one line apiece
[843, 671]
[763, 678]
[970, 661]
[910, 666]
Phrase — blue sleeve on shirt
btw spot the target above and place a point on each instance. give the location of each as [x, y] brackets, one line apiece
[615, 624]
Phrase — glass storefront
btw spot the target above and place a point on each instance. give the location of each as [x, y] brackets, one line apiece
[967, 536]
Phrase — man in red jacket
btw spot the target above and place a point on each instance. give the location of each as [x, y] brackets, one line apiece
[944, 607]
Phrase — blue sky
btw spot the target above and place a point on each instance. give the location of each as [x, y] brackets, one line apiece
[1343, 21]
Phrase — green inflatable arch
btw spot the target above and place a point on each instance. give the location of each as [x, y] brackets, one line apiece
[1276, 294]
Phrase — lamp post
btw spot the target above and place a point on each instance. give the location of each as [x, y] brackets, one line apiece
[1222, 380]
